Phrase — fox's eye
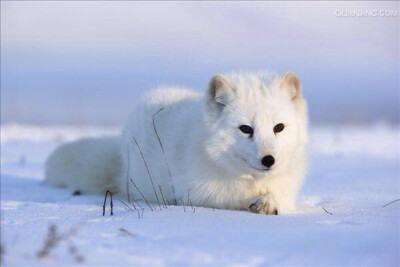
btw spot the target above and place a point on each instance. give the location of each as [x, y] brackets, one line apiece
[246, 129]
[279, 128]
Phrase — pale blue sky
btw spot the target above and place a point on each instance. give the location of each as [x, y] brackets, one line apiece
[88, 62]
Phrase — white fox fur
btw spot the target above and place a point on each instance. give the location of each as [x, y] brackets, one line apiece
[209, 157]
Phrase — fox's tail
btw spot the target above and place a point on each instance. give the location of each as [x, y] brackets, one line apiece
[89, 165]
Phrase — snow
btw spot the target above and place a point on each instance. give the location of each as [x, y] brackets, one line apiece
[354, 171]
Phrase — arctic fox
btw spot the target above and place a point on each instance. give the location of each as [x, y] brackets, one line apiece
[240, 146]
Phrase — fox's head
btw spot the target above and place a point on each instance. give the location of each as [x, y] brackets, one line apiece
[255, 122]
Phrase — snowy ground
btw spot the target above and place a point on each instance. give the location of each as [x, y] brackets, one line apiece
[353, 173]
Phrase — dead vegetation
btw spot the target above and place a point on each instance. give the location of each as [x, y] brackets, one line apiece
[139, 210]
[163, 152]
[130, 206]
[391, 202]
[127, 206]
[330, 213]
[123, 230]
[111, 203]
[148, 172]
[128, 173]
[140, 192]
[162, 195]
[53, 240]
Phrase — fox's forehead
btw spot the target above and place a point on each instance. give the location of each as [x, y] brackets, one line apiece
[259, 100]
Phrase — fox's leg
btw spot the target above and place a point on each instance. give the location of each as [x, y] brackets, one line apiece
[279, 196]
[264, 204]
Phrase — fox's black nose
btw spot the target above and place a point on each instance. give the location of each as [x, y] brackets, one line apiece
[268, 161]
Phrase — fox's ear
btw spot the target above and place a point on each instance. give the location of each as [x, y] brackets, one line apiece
[291, 83]
[219, 92]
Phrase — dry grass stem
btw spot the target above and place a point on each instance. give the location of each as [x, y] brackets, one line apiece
[330, 213]
[123, 230]
[137, 203]
[191, 205]
[53, 239]
[74, 252]
[128, 173]
[189, 201]
[111, 202]
[133, 205]
[390, 203]
[138, 212]
[145, 199]
[148, 172]
[163, 152]
[162, 195]
[129, 208]
[51, 242]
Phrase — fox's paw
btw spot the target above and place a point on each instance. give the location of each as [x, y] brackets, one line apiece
[264, 205]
